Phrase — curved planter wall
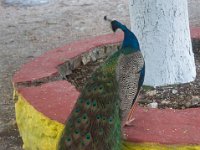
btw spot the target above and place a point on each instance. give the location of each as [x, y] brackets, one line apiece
[44, 101]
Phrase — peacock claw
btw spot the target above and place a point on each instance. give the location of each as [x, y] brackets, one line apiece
[128, 122]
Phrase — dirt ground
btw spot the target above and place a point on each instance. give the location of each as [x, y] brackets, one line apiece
[27, 32]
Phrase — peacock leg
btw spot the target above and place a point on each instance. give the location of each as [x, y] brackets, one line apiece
[130, 117]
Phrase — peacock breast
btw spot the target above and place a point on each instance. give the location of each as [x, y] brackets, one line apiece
[127, 75]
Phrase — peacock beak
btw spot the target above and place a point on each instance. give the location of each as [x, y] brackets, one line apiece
[107, 19]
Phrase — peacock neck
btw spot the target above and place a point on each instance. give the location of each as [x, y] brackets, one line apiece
[130, 40]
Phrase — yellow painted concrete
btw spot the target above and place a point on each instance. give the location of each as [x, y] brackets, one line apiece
[37, 131]
[40, 133]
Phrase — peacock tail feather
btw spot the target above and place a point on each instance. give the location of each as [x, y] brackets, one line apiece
[94, 123]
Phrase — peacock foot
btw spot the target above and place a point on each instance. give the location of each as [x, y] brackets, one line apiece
[128, 123]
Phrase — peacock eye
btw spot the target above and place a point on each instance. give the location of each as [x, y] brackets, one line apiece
[88, 102]
[94, 104]
[98, 117]
[88, 136]
[69, 139]
[78, 121]
[76, 132]
[84, 116]
[101, 87]
[110, 120]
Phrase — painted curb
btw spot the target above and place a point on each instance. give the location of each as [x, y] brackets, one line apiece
[44, 103]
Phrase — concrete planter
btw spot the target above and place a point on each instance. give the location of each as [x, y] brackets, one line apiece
[44, 101]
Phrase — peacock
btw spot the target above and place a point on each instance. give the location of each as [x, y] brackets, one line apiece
[104, 105]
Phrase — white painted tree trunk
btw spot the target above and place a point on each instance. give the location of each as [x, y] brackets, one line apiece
[26, 2]
[162, 27]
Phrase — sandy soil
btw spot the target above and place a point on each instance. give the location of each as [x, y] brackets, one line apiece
[27, 32]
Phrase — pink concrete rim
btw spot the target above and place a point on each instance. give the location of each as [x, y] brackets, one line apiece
[46, 65]
[150, 125]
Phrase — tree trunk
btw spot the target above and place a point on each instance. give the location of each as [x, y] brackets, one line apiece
[162, 27]
[26, 2]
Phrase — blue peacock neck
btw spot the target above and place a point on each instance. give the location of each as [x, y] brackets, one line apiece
[130, 39]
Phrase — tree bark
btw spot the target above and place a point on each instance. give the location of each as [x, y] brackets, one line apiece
[26, 2]
[162, 27]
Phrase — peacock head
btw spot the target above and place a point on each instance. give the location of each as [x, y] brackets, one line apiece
[130, 40]
[115, 24]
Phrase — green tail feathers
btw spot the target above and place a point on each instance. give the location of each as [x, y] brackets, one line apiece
[95, 122]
